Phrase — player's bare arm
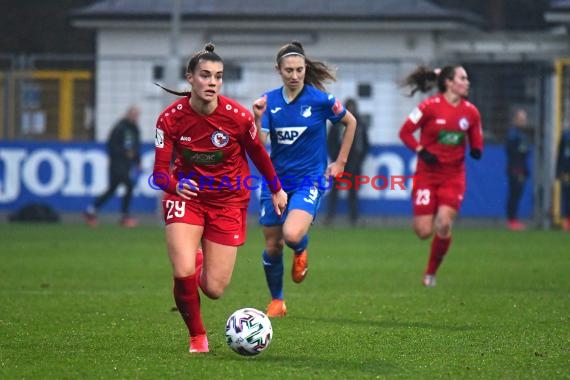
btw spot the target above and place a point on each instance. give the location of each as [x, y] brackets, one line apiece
[337, 166]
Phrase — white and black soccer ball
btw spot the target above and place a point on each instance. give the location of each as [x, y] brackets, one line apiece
[248, 331]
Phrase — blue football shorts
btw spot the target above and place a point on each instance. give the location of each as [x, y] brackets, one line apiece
[304, 198]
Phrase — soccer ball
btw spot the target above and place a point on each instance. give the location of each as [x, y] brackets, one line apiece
[248, 331]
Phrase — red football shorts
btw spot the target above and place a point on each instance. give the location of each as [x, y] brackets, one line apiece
[222, 225]
[430, 193]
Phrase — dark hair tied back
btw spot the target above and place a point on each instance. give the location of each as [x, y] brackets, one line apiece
[209, 47]
[316, 72]
[203, 55]
[293, 47]
[298, 44]
[424, 79]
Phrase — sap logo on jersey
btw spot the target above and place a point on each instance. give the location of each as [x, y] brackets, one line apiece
[289, 135]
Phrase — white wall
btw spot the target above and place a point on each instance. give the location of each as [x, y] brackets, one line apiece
[126, 58]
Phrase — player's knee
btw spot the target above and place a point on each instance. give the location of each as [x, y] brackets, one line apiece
[182, 271]
[423, 233]
[213, 290]
[274, 247]
[213, 295]
[293, 237]
[423, 229]
[443, 227]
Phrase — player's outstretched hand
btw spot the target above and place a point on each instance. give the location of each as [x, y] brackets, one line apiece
[334, 169]
[279, 200]
[259, 106]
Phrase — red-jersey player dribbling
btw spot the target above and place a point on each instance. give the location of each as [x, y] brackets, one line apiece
[205, 204]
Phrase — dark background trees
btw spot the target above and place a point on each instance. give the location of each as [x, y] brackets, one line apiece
[42, 26]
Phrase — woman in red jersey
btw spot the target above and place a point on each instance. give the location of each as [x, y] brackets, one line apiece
[446, 121]
[206, 198]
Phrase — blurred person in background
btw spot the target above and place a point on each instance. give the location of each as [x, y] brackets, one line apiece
[563, 175]
[123, 147]
[517, 149]
[294, 116]
[358, 152]
[205, 203]
[445, 121]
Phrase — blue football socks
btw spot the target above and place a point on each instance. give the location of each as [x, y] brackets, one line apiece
[300, 246]
[273, 267]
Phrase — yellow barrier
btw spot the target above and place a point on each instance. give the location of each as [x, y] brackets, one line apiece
[66, 87]
[561, 109]
[66, 81]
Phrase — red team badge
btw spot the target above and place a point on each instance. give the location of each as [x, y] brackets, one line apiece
[337, 107]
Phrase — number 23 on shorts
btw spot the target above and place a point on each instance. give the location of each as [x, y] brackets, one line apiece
[422, 197]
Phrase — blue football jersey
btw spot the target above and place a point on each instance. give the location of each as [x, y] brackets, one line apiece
[298, 131]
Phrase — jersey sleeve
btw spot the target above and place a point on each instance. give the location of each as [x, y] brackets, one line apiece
[475, 131]
[256, 151]
[336, 109]
[163, 147]
[415, 120]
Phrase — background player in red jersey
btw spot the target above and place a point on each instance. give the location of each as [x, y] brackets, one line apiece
[206, 201]
[445, 121]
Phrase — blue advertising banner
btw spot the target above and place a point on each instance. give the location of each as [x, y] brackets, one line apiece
[486, 184]
[67, 176]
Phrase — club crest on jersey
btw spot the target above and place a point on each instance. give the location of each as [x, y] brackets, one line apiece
[306, 111]
[464, 123]
[220, 139]
[289, 135]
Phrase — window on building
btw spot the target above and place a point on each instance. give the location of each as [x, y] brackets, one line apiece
[157, 73]
[364, 90]
[232, 72]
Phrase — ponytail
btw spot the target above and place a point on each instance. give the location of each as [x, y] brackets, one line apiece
[424, 79]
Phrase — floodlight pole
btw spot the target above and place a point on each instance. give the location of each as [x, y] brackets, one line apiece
[172, 66]
[171, 74]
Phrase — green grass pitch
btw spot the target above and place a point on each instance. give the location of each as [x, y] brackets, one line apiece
[97, 303]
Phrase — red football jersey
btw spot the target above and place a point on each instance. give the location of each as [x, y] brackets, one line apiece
[444, 131]
[211, 150]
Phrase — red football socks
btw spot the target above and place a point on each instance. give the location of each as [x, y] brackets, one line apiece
[439, 247]
[187, 300]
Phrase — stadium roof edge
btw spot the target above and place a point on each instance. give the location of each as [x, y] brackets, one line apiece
[401, 11]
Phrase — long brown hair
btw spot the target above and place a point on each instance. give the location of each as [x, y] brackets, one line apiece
[207, 54]
[316, 73]
[423, 79]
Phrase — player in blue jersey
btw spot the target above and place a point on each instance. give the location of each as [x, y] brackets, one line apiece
[295, 116]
